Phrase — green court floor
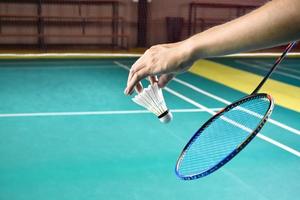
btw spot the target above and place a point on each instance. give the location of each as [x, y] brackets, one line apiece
[288, 72]
[68, 132]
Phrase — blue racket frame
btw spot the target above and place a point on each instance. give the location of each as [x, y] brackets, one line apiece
[235, 151]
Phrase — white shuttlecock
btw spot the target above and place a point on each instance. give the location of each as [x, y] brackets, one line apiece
[152, 99]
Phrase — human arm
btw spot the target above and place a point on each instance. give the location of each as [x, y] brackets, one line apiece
[275, 23]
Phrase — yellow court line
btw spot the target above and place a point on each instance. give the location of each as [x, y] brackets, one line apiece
[285, 95]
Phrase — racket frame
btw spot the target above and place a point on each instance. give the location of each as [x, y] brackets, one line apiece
[235, 151]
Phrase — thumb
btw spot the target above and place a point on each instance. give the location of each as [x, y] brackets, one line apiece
[164, 79]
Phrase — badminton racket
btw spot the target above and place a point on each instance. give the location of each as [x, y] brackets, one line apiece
[225, 134]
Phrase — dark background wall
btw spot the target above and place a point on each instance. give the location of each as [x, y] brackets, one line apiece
[158, 11]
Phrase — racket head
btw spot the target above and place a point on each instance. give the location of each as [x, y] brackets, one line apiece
[223, 136]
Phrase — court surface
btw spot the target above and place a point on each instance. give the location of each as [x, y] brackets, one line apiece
[68, 132]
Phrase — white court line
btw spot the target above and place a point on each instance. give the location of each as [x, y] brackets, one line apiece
[263, 137]
[71, 65]
[59, 55]
[264, 69]
[28, 55]
[282, 67]
[117, 112]
[57, 67]
[276, 143]
[197, 89]
[50, 61]
[122, 65]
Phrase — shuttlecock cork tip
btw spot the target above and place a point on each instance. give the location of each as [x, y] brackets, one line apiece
[165, 117]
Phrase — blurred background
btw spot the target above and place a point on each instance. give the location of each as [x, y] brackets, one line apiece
[68, 132]
[79, 25]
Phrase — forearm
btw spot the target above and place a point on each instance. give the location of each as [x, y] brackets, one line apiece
[273, 24]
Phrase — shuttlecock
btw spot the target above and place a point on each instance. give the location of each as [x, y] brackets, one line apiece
[152, 99]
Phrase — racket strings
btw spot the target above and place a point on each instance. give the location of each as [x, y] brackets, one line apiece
[223, 135]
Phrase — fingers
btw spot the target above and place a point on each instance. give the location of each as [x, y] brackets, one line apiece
[135, 67]
[152, 63]
[139, 87]
[164, 79]
[136, 77]
[153, 79]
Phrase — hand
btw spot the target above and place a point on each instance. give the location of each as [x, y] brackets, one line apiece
[165, 60]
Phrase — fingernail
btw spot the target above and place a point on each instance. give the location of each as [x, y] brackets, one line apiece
[125, 91]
